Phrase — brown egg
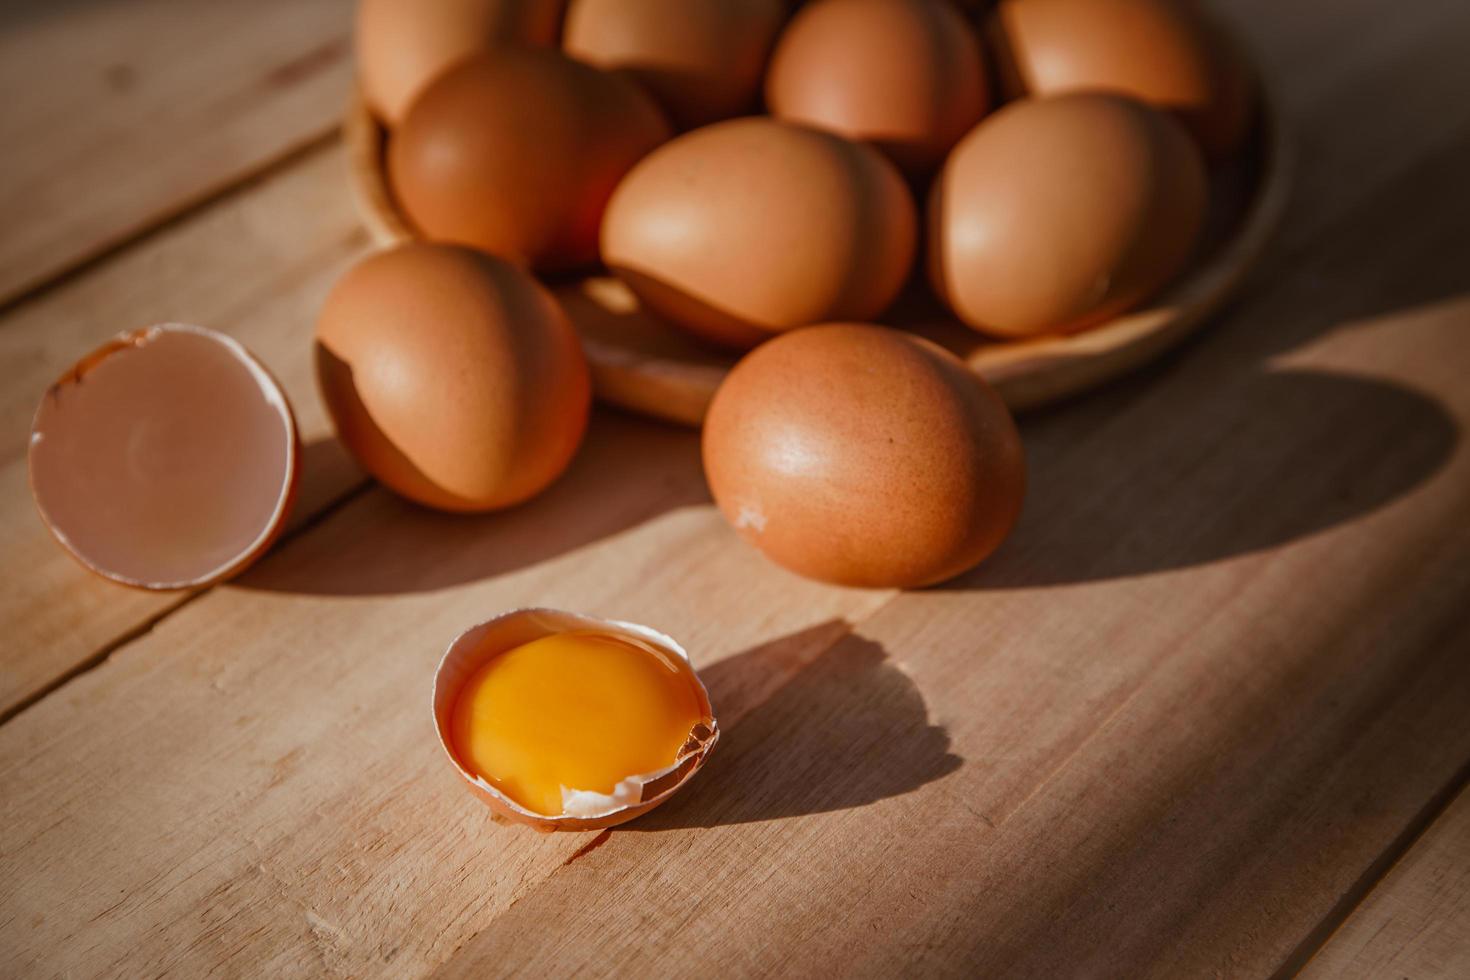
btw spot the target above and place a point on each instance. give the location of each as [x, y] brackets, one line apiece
[635, 794]
[452, 376]
[702, 59]
[1163, 52]
[516, 151]
[166, 459]
[905, 75]
[1056, 214]
[753, 226]
[863, 456]
[403, 44]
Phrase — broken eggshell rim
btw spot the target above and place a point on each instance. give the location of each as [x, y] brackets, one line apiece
[275, 397]
[477, 645]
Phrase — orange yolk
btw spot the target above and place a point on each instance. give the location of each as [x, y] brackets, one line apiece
[579, 710]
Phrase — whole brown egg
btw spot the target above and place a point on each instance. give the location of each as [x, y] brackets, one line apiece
[1163, 52]
[1056, 214]
[859, 455]
[702, 59]
[753, 226]
[403, 44]
[452, 376]
[906, 75]
[515, 151]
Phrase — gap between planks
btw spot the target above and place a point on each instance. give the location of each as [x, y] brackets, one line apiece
[1309, 946]
[1375, 873]
[239, 184]
[119, 643]
[246, 184]
[1289, 247]
[1322, 934]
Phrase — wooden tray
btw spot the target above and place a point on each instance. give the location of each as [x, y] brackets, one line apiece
[645, 364]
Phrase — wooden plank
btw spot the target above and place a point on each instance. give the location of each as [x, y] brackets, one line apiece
[1188, 729]
[260, 771]
[1163, 733]
[1121, 733]
[271, 238]
[257, 266]
[117, 115]
[1416, 923]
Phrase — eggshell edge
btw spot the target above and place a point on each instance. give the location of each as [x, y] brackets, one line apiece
[472, 648]
[275, 396]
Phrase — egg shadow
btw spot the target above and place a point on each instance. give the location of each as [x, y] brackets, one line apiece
[843, 730]
[1116, 508]
[1124, 484]
[1126, 481]
[378, 543]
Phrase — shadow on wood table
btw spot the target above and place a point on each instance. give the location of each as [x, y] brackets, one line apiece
[1121, 483]
[1226, 463]
[843, 731]
[1119, 507]
[629, 471]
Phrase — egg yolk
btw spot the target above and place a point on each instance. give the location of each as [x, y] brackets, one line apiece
[575, 711]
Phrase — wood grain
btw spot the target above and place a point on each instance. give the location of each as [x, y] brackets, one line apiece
[293, 711]
[1338, 91]
[1041, 749]
[117, 115]
[256, 265]
[1417, 922]
[1178, 726]
[1182, 743]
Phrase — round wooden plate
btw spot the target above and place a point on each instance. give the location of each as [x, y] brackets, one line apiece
[645, 364]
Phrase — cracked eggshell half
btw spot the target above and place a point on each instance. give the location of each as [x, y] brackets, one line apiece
[165, 459]
[583, 810]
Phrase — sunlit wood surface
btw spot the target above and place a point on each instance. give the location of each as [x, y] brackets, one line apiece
[1207, 713]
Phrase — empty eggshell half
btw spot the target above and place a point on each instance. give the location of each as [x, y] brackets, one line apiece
[165, 459]
[583, 810]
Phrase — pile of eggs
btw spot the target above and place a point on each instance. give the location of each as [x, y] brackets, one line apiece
[752, 171]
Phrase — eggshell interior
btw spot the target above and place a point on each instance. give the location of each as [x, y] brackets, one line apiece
[588, 811]
[165, 459]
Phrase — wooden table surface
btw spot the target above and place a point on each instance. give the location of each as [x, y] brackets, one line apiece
[1206, 713]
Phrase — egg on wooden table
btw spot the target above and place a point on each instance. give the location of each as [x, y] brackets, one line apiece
[702, 59]
[750, 227]
[515, 151]
[905, 75]
[1057, 214]
[863, 456]
[560, 721]
[1166, 53]
[402, 45]
[452, 376]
